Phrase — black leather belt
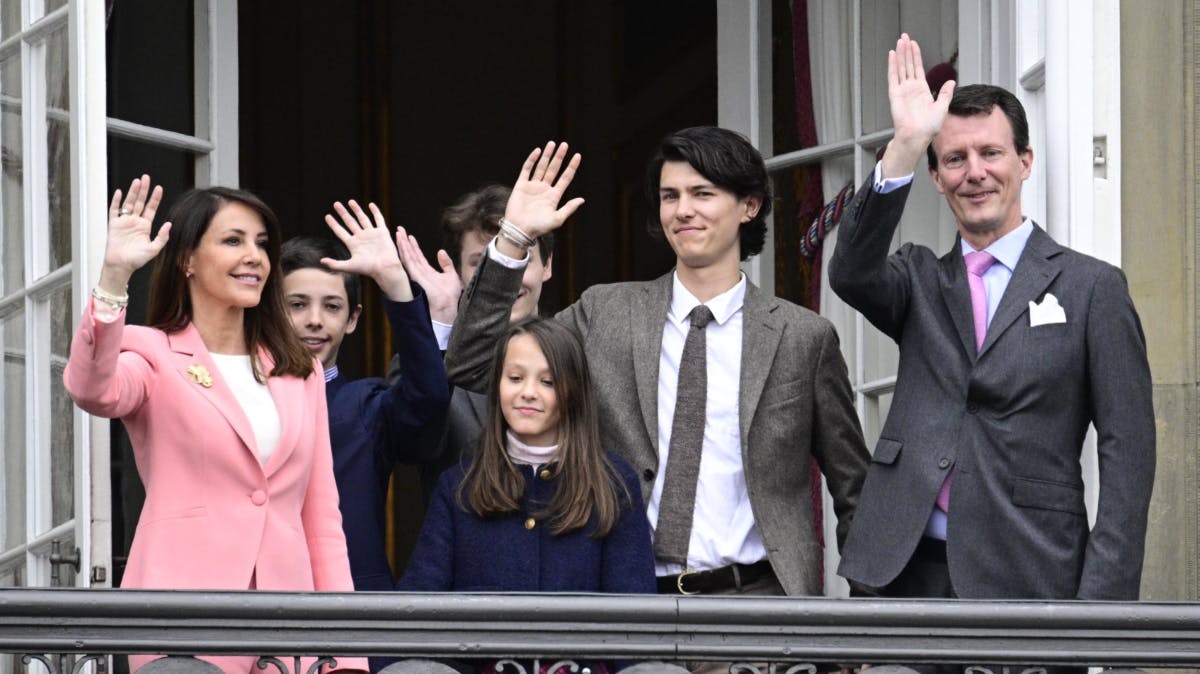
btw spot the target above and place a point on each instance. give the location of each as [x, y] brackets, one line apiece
[734, 576]
[931, 550]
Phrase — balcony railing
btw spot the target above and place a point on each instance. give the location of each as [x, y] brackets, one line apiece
[79, 622]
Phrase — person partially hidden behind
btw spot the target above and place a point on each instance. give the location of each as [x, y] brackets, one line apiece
[371, 424]
[1010, 345]
[467, 227]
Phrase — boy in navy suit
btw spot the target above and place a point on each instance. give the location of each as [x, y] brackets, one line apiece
[371, 424]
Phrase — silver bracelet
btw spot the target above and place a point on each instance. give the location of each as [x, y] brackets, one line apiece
[515, 235]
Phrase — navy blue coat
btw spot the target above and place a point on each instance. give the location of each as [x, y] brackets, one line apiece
[371, 427]
[460, 551]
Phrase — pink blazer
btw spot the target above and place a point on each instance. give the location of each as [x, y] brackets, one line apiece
[215, 517]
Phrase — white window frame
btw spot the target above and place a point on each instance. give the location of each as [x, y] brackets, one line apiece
[215, 146]
[38, 283]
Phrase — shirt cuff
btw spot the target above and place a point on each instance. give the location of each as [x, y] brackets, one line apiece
[495, 255]
[441, 331]
[105, 312]
[885, 185]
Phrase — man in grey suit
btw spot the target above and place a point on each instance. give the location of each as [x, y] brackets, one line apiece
[1010, 345]
[467, 227]
[777, 390]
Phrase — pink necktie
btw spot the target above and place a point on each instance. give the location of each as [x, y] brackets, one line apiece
[977, 262]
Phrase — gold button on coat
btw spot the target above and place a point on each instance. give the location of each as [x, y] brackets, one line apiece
[530, 523]
[545, 474]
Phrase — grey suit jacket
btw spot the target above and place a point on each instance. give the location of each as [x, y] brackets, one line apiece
[795, 398]
[1009, 419]
[442, 446]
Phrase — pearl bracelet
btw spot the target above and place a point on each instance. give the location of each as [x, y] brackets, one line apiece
[114, 301]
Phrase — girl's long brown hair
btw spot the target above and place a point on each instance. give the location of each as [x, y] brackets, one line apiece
[588, 483]
[266, 325]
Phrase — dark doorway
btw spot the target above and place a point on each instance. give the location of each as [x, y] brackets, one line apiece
[412, 104]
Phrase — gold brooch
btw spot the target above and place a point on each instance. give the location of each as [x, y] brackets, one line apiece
[199, 375]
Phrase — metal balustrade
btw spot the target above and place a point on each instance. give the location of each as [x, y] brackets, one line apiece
[790, 633]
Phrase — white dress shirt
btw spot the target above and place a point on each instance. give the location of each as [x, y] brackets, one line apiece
[255, 400]
[723, 530]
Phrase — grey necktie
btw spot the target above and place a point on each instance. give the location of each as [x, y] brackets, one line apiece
[678, 502]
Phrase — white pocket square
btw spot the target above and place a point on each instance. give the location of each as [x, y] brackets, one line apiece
[1048, 312]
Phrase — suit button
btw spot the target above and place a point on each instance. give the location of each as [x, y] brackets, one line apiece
[530, 523]
[259, 497]
[972, 408]
[648, 475]
[545, 474]
[943, 463]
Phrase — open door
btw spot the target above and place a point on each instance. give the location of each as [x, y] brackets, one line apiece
[57, 147]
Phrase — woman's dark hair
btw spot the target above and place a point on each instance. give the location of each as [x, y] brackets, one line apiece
[728, 160]
[266, 325]
[588, 483]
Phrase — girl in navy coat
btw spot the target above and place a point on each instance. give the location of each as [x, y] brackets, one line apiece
[541, 507]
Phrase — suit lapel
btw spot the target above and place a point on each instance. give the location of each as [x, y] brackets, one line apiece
[190, 352]
[288, 395]
[647, 318]
[761, 332]
[952, 272]
[1036, 269]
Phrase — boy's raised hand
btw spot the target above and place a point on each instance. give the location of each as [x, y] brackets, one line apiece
[372, 252]
[442, 288]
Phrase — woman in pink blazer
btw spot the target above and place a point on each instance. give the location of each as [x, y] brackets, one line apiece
[224, 406]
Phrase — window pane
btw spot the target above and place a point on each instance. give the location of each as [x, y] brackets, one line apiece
[62, 433]
[155, 91]
[58, 146]
[10, 17]
[12, 383]
[878, 405]
[932, 23]
[52, 5]
[881, 356]
[801, 195]
[12, 246]
[811, 74]
[11, 576]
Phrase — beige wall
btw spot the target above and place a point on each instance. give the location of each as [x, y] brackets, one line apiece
[1158, 192]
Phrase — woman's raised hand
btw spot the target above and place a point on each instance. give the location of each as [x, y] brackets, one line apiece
[130, 245]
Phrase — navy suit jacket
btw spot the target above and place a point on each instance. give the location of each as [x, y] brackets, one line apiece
[371, 427]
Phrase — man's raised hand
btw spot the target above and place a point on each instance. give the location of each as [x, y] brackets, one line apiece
[916, 115]
[442, 288]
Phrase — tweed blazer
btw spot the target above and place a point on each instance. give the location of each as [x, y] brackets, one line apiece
[794, 402]
[1009, 418]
